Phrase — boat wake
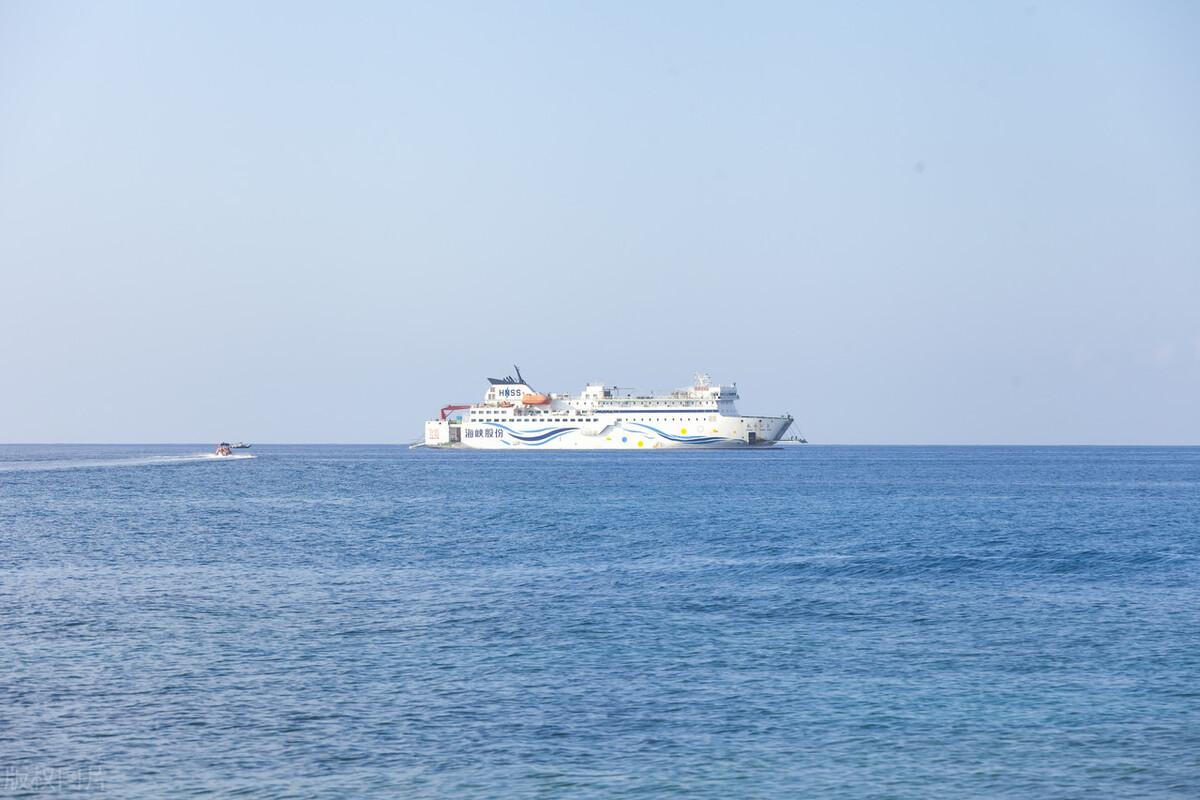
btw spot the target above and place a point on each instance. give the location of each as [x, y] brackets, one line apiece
[132, 461]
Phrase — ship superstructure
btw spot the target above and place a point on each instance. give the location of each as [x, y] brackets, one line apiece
[514, 415]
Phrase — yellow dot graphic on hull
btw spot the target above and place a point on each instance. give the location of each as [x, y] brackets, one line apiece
[640, 444]
[683, 430]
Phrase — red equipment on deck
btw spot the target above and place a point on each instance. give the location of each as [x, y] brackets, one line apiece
[451, 408]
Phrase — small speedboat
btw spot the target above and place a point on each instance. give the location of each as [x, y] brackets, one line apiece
[223, 449]
[239, 446]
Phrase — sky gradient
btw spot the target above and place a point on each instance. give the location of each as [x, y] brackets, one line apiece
[901, 223]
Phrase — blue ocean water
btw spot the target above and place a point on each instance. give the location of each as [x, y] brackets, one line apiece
[835, 622]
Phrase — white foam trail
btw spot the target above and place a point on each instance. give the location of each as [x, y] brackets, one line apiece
[134, 461]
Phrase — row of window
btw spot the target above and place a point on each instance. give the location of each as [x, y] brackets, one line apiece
[549, 419]
[489, 415]
[651, 403]
[581, 419]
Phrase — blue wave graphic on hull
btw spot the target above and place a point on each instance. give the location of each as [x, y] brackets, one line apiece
[539, 437]
[683, 439]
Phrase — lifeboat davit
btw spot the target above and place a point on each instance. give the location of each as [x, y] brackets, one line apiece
[535, 399]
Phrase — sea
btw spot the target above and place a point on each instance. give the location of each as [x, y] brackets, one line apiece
[805, 621]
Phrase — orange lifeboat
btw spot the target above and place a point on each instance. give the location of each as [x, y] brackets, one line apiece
[535, 399]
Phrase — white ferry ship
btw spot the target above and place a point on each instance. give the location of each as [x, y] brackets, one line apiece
[514, 416]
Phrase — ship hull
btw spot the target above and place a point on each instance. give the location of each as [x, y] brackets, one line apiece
[629, 434]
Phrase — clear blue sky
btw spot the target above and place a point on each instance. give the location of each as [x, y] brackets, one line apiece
[901, 222]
